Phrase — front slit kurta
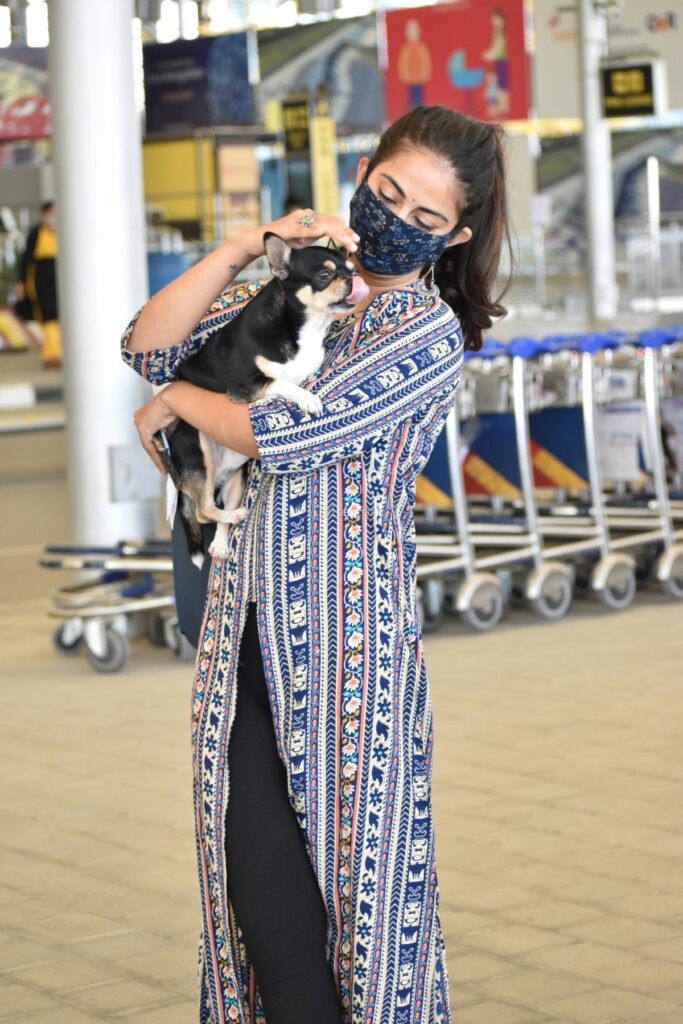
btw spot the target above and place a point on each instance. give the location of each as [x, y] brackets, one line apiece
[328, 553]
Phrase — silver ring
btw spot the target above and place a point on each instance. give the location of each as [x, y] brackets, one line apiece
[307, 220]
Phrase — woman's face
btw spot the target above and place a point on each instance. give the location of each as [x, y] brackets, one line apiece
[419, 187]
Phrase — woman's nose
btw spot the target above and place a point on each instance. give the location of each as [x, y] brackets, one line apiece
[404, 211]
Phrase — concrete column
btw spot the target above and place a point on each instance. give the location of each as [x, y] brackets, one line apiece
[18, 22]
[597, 162]
[102, 271]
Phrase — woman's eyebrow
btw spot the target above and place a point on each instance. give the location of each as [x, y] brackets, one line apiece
[403, 195]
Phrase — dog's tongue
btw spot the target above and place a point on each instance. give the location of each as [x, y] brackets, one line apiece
[359, 291]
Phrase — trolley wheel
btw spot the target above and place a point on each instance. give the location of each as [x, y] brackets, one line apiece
[554, 595]
[65, 641]
[485, 616]
[116, 652]
[673, 586]
[431, 605]
[670, 571]
[619, 588]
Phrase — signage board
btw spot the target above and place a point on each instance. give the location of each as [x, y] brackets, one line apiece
[629, 90]
[638, 31]
[24, 100]
[199, 83]
[295, 124]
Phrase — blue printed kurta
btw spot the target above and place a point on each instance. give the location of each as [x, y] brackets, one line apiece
[331, 539]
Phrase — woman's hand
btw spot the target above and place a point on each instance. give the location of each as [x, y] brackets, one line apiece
[298, 235]
[155, 415]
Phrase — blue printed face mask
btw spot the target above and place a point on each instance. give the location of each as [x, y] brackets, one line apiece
[389, 245]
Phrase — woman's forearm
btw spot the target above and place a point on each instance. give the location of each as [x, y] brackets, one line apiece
[214, 414]
[175, 311]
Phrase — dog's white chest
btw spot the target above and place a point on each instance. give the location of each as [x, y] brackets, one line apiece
[310, 355]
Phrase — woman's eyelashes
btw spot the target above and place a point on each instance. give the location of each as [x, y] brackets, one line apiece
[389, 200]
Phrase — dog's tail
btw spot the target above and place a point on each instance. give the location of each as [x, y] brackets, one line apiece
[193, 531]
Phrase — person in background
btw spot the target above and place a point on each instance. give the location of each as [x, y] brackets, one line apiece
[292, 205]
[414, 63]
[38, 283]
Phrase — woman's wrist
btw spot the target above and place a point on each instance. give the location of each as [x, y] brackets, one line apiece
[165, 397]
[211, 412]
[244, 248]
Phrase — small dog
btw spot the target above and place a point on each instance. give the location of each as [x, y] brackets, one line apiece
[269, 349]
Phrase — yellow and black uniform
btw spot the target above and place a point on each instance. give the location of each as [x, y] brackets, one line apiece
[38, 271]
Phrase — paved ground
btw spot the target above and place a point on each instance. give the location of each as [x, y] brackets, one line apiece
[557, 798]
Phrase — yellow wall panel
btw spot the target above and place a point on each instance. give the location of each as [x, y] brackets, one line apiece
[180, 177]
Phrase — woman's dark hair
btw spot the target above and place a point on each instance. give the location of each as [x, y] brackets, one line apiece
[465, 274]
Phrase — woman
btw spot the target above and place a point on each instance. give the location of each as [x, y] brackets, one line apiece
[38, 283]
[312, 726]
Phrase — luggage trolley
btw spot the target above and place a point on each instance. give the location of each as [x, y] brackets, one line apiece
[498, 376]
[134, 581]
[570, 366]
[650, 530]
[456, 580]
[672, 358]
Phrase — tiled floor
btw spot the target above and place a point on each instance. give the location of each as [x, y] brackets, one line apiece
[557, 798]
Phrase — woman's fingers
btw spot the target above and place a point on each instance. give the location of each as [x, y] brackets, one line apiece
[148, 444]
[325, 225]
[149, 419]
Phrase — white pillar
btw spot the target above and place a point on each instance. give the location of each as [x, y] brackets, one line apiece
[597, 162]
[102, 271]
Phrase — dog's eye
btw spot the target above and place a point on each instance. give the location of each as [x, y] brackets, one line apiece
[325, 276]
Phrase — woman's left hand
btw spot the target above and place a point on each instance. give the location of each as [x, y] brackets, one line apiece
[155, 415]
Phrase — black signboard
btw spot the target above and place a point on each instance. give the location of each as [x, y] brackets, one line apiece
[628, 90]
[295, 124]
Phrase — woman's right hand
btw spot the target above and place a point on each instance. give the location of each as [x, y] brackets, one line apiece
[298, 235]
[150, 418]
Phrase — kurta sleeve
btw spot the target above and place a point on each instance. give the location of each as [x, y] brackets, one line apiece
[412, 359]
[159, 366]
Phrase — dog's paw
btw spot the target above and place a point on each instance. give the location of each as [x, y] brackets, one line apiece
[309, 403]
[218, 548]
[238, 515]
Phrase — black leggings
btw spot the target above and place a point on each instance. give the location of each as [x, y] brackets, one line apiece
[271, 882]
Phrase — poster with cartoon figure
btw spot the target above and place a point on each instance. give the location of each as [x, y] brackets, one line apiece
[469, 55]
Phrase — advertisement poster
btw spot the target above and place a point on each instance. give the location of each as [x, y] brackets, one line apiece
[468, 55]
[199, 83]
[24, 103]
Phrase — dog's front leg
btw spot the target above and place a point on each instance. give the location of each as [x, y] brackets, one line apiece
[306, 400]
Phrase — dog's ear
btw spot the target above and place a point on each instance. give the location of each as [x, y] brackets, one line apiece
[278, 253]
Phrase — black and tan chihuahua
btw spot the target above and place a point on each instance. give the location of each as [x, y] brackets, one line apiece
[275, 343]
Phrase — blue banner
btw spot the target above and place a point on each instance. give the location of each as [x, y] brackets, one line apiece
[198, 83]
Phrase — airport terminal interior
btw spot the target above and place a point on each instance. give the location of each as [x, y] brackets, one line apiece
[549, 515]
